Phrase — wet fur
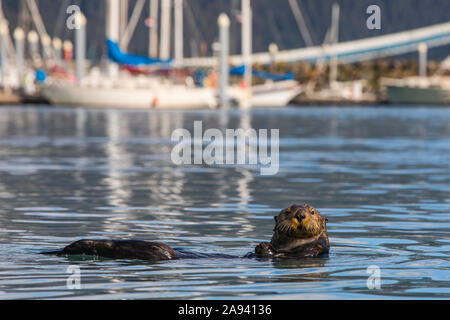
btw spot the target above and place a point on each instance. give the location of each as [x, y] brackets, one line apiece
[119, 249]
[300, 231]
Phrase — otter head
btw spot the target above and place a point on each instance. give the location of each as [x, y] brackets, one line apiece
[300, 221]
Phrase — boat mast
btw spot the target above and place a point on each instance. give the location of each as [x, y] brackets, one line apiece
[224, 26]
[80, 46]
[112, 30]
[123, 22]
[153, 35]
[246, 47]
[247, 41]
[334, 37]
[164, 50]
[178, 15]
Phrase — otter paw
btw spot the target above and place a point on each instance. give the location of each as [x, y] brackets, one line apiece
[264, 249]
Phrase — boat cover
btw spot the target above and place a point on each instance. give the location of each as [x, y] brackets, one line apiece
[240, 70]
[116, 55]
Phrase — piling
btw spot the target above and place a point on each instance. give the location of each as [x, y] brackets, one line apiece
[33, 44]
[335, 12]
[153, 34]
[164, 44]
[273, 50]
[112, 31]
[46, 42]
[57, 46]
[423, 49]
[19, 43]
[4, 54]
[224, 26]
[246, 39]
[178, 36]
[80, 46]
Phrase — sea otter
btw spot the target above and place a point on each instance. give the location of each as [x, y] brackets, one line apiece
[300, 231]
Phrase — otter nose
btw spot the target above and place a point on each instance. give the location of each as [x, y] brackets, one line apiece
[300, 216]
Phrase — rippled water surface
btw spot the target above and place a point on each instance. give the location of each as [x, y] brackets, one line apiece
[380, 175]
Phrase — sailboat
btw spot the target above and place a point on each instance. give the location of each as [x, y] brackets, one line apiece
[433, 89]
[120, 88]
[129, 93]
[277, 90]
[127, 90]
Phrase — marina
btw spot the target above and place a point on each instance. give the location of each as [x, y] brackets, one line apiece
[380, 174]
[37, 68]
[226, 150]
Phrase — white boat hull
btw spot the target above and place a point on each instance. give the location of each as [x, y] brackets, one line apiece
[168, 97]
[276, 94]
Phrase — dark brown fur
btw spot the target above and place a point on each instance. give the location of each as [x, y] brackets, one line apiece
[300, 231]
[121, 249]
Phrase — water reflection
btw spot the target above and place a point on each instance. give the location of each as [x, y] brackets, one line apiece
[380, 175]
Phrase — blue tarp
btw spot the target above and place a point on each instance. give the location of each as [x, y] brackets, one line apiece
[240, 70]
[40, 75]
[116, 55]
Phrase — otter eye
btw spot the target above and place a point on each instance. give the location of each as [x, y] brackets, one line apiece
[312, 212]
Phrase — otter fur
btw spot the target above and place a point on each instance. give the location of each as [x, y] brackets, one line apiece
[300, 231]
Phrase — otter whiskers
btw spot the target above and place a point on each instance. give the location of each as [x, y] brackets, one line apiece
[310, 229]
[286, 227]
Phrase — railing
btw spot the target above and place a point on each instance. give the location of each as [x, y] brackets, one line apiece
[347, 52]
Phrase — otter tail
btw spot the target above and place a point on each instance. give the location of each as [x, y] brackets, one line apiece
[57, 252]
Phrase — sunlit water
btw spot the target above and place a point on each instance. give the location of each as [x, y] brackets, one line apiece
[380, 175]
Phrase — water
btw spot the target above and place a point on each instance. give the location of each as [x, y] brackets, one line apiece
[380, 175]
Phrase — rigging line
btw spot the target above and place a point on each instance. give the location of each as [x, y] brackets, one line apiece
[192, 21]
[9, 44]
[332, 35]
[335, 23]
[132, 24]
[234, 41]
[308, 22]
[202, 24]
[301, 23]
[24, 17]
[123, 17]
[39, 24]
[61, 18]
[274, 28]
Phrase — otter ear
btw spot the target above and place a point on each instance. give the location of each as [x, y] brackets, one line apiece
[326, 220]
